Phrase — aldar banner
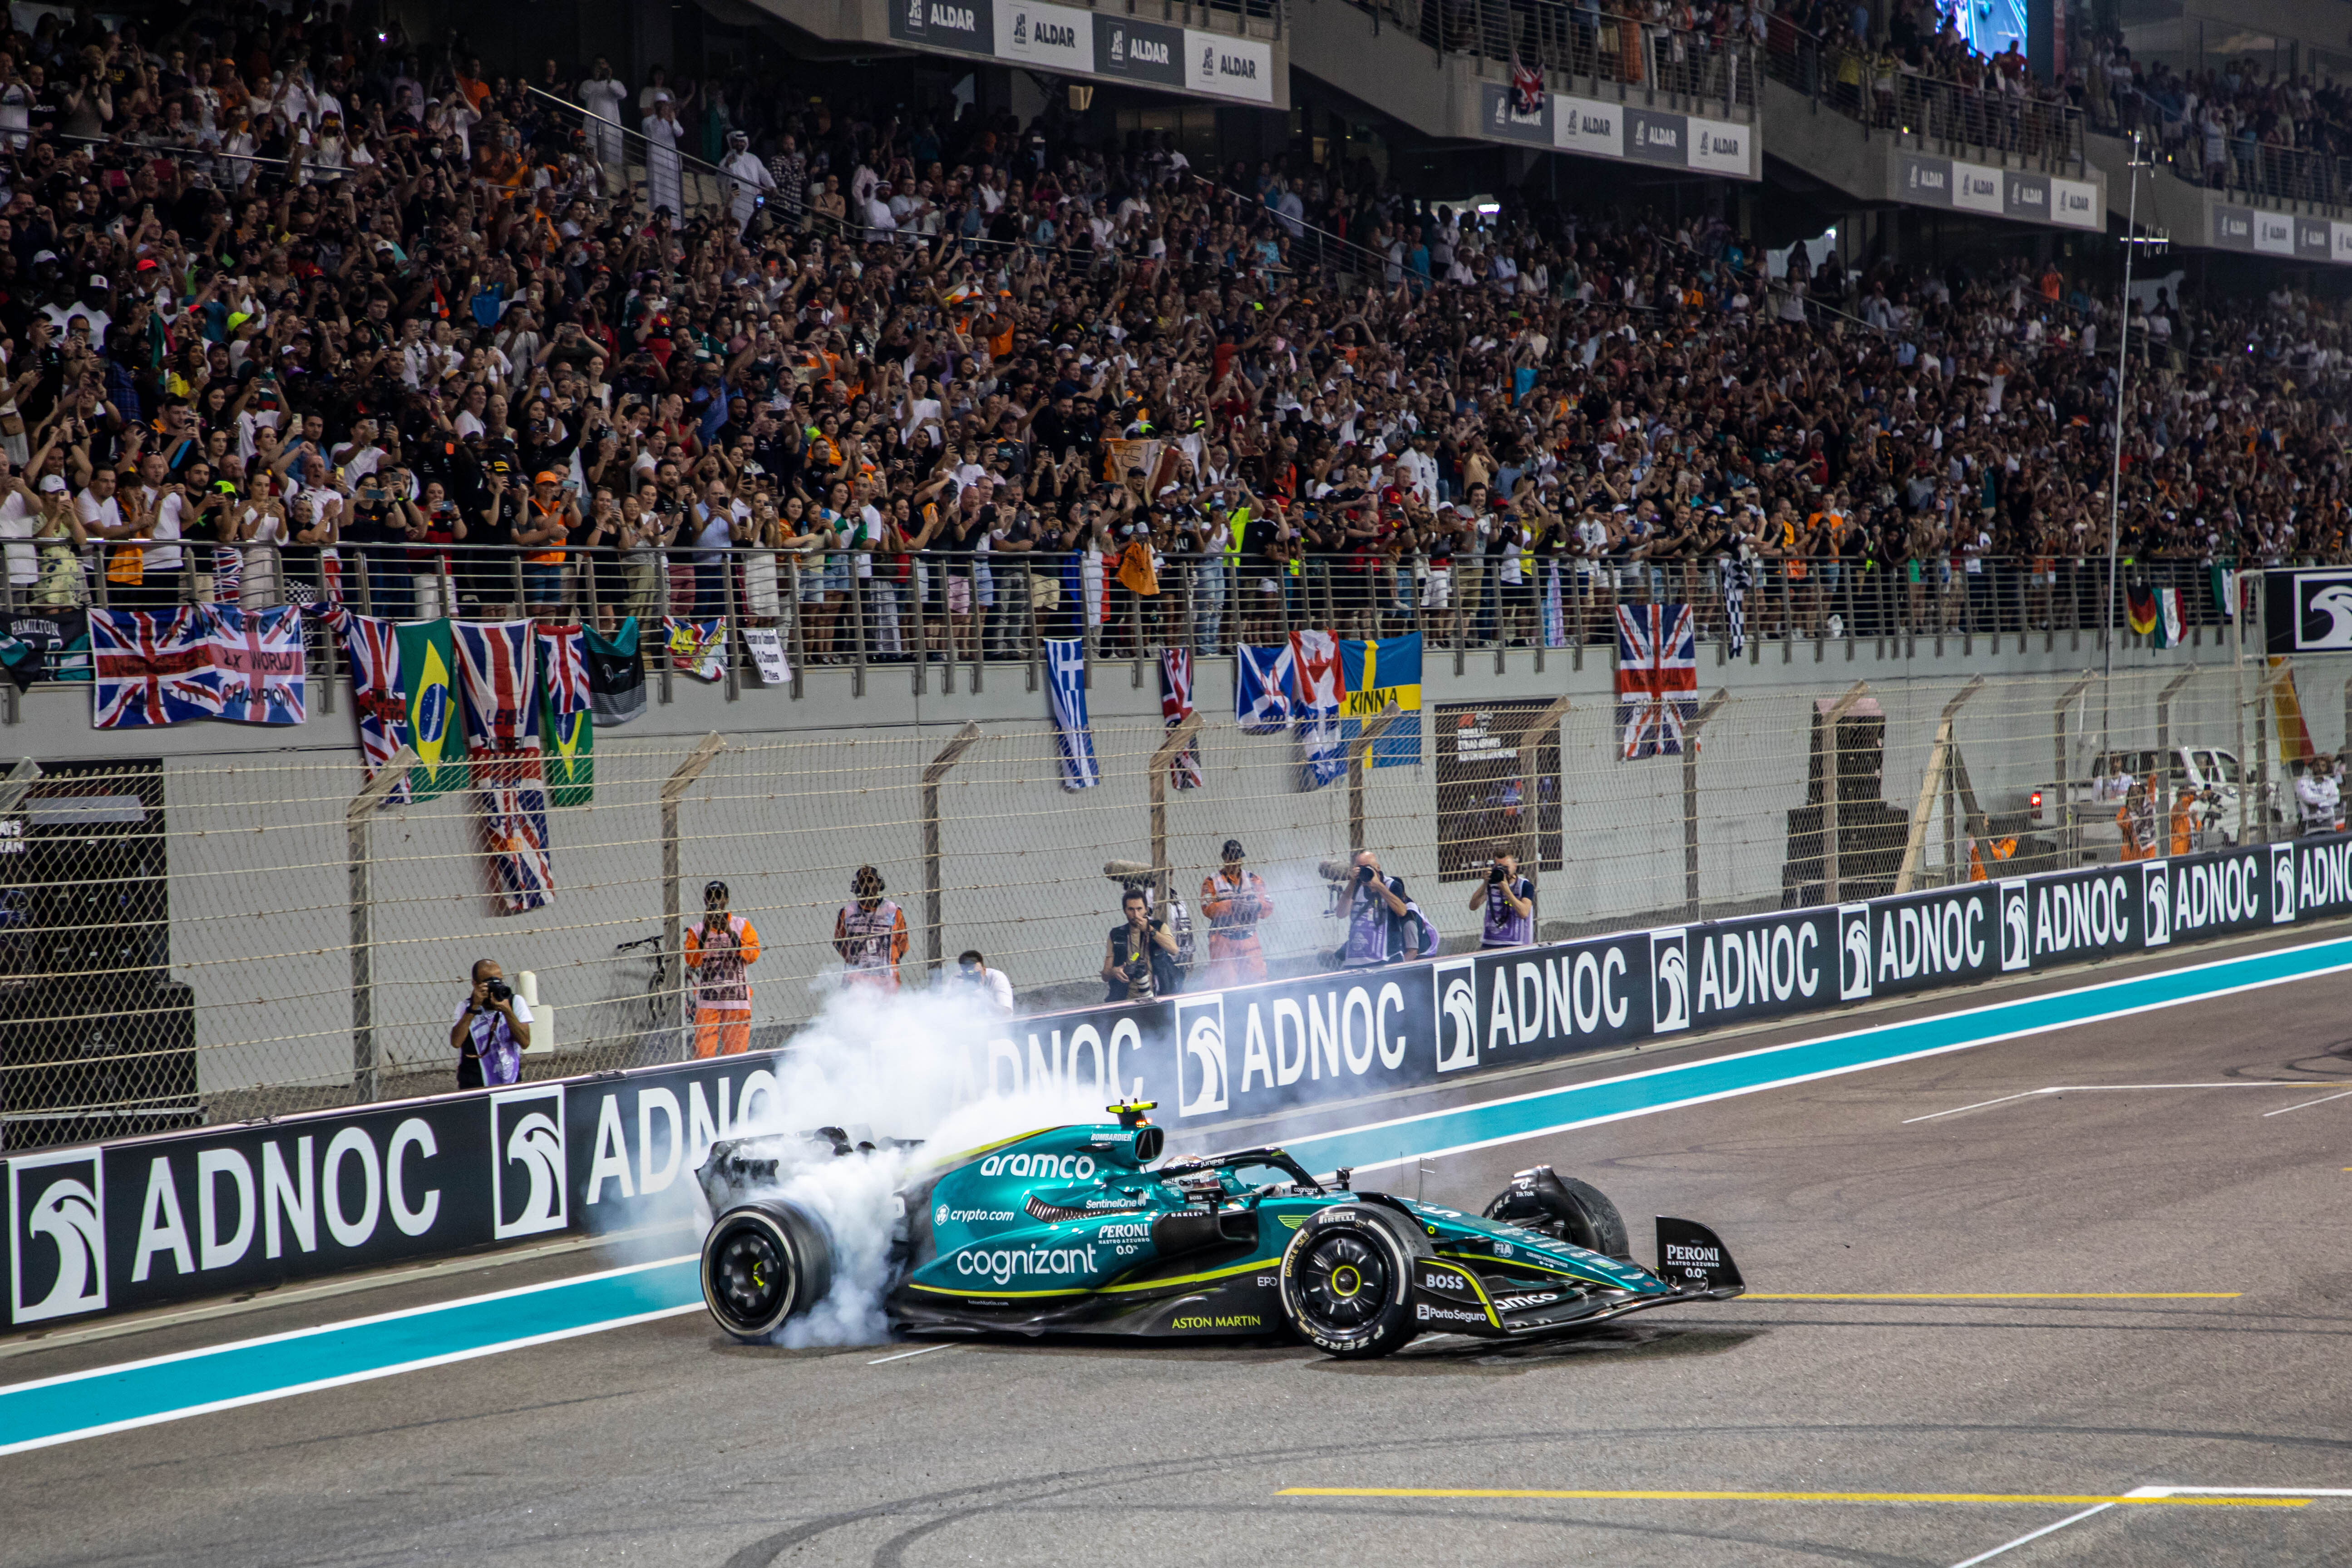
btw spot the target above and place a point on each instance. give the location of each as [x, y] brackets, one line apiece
[113, 1228]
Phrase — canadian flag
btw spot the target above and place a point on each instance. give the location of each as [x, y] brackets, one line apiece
[1314, 667]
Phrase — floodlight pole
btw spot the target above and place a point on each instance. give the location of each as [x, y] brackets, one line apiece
[2115, 478]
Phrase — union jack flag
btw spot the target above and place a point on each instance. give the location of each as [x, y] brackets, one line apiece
[1658, 677]
[151, 668]
[494, 659]
[562, 669]
[1175, 706]
[514, 835]
[373, 645]
[261, 656]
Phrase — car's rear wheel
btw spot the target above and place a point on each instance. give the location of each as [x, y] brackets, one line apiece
[1575, 1212]
[1347, 1281]
[762, 1264]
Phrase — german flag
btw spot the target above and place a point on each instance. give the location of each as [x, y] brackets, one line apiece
[2139, 607]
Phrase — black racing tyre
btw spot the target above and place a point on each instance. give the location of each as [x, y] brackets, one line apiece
[1347, 1280]
[1576, 1212]
[761, 1264]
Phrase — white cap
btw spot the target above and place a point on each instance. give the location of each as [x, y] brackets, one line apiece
[53, 484]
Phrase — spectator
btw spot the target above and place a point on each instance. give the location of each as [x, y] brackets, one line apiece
[718, 952]
[870, 933]
[2319, 796]
[491, 1030]
[973, 975]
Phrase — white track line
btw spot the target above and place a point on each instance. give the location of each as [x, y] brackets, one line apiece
[2321, 1100]
[903, 1355]
[1979, 1105]
[2102, 1088]
[2033, 1535]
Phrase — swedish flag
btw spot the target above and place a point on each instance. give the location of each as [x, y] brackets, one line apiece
[1377, 673]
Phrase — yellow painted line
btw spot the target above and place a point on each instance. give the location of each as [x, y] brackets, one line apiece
[2003, 1295]
[2038, 1499]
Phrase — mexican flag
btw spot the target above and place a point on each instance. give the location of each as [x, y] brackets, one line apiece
[2171, 629]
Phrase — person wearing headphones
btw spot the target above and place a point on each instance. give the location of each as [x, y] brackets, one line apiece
[717, 952]
[870, 933]
[1234, 899]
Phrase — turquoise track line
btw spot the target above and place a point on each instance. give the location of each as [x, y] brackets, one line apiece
[1666, 1089]
[139, 1393]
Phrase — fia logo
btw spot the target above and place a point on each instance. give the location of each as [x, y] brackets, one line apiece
[1853, 951]
[2156, 899]
[1201, 1082]
[2016, 927]
[1669, 981]
[1456, 985]
[527, 1162]
[2282, 884]
[57, 1232]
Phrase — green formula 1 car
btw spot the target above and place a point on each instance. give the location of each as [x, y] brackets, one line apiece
[1081, 1229]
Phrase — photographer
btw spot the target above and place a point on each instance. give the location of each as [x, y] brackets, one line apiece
[1140, 961]
[1508, 900]
[992, 985]
[1379, 921]
[491, 1031]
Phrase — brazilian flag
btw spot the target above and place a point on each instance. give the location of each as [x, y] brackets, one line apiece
[428, 686]
[567, 751]
[1377, 673]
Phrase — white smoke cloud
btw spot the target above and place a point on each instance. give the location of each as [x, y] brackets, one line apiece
[902, 1065]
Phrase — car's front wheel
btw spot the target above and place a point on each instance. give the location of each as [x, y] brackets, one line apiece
[763, 1263]
[1541, 1199]
[1347, 1281]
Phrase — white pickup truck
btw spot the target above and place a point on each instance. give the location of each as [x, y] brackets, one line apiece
[2202, 768]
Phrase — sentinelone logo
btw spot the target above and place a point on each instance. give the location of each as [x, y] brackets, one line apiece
[57, 1231]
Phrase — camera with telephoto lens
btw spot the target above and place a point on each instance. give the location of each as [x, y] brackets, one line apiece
[500, 990]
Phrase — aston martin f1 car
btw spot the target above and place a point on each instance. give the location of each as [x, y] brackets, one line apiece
[1084, 1229]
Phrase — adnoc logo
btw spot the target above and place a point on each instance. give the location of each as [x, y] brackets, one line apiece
[1203, 1079]
[56, 1230]
[1457, 983]
[527, 1162]
[1669, 980]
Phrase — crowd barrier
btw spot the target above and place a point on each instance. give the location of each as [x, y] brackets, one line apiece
[142, 1223]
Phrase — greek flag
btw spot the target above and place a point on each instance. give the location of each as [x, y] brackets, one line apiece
[1066, 672]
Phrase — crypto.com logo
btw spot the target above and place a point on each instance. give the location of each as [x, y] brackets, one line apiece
[1202, 1084]
[527, 1162]
[56, 1230]
[1456, 983]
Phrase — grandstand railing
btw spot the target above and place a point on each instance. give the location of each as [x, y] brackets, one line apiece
[1955, 117]
[1587, 50]
[966, 612]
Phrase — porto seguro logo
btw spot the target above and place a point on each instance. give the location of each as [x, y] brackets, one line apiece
[57, 1214]
[1457, 1007]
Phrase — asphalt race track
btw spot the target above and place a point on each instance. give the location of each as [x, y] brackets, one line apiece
[1994, 1290]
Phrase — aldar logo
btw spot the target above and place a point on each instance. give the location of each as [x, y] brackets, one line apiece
[1020, 29]
[1669, 981]
[2156, 899]
[1202, 1082]
[1118, 46]
[914, 15]
[1456, 985]
[2016, 927]
[57, 1231]
[1853, 951]
[2282, 884]
[527, 1162]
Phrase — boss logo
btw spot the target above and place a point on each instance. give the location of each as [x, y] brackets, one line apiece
[527, 1161]
[1853, 951]
[57, 1231]
[1202, 1082]
[1669, 980]
[1456, 985]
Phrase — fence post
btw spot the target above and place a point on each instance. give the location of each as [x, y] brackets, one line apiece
[799, 624]
[2058, 739]
[1370, 731]
[358, 817]
[2164, 719]
[1830, 789]
[934, 772]
[1707, 711]
[1937, 775]
[731, 628]
[674, 790]
[1162, 761]
[1037, 659]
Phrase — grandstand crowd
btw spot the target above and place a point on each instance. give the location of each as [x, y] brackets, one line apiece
[293, 309]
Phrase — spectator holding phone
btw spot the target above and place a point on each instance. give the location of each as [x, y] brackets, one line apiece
[1508, 900]
[491, 1031]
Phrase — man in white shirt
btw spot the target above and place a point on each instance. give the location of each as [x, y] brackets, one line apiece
[19, 519]
[747, 180]
[990, 986]
[165, 507]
